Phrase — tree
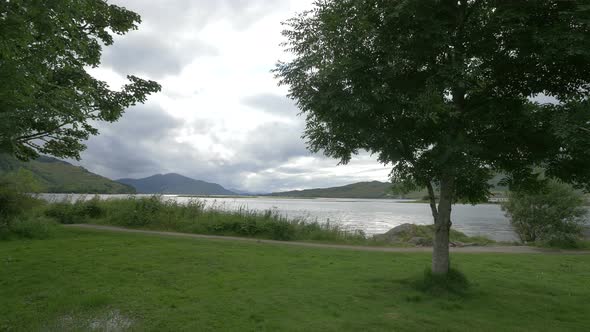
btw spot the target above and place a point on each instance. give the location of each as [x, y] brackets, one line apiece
[444, 91]
[553, 215]
[48, 101]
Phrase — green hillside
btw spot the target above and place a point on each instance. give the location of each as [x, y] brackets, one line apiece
[56, 176]
[374, 189]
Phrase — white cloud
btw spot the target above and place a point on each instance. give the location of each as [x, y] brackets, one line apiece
[221, 116]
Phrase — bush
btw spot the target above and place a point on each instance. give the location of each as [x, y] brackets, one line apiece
[18, 217]
[14, 203]
[552, 216]
[32, 227]
[78, 212]
[28, 226]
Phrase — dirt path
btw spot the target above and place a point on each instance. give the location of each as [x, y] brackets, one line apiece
[487, 249]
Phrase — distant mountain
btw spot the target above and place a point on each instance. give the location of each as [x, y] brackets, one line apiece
[373, 189]
[175, 184]
[57, 176]
[246, 193]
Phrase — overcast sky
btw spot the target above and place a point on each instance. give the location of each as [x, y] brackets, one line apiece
[220, 116]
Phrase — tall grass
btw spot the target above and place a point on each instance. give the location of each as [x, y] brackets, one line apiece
[27, 226]
[20, 216]
[158, 213]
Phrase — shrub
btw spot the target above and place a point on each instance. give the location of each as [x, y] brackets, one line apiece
[28, 226]
[92, 208]
[282, 230]
[14, 203]
[552, 216]
[32, 227]
[18, 207]
[78, 212]
[62, 212]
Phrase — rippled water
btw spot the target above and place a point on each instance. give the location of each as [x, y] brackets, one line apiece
[373, 216]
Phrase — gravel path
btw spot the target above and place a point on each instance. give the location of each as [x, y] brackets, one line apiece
[486, 249]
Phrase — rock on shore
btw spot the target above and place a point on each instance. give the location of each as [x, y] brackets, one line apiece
[422, 236]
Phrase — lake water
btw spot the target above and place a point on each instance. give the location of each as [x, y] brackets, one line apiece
[373, 216]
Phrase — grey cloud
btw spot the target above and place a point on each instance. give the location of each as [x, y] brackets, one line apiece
[275, 141]
[271, 182]
[543, 99]
[271, 103]
[117, 158]
[123, 148]
[160, 47]
[143, 143]
[171, 15]
[145, 54]
[141, 122]
[318, 175]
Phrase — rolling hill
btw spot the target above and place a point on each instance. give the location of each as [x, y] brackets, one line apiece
[374, 189]
[175, 184]
[57, 176]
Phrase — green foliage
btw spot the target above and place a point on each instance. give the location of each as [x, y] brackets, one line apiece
[553, 216]
[14, 203]
[21, 180]
[14, 200]
[27, 226]
[19, 207]
[157, 213]
[76, 212]
[48, 101]
[440, 89]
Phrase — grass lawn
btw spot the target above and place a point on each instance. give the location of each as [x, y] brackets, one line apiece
[81, 280]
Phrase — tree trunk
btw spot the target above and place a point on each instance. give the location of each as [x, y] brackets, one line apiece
[442, 226]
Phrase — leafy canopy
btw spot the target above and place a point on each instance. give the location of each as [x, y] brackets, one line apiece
[446, 89]
[553, 215]
[48, 101]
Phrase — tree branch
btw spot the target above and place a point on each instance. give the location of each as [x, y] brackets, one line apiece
[41, 134]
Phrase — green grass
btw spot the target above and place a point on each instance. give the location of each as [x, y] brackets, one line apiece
[83, 279]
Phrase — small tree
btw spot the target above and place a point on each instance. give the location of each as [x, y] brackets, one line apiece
[15, 188]
[48, 101]
[442, 90]
[552, 215]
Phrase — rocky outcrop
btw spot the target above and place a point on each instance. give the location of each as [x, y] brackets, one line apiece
[420, 241]
[396, 234]
[421, 236]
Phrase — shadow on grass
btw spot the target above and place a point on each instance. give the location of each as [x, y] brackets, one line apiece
[453, 285]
